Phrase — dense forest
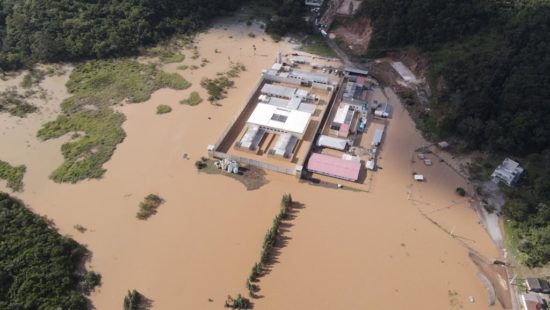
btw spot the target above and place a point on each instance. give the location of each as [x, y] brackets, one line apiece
[39, 269]
[489, 78]
[63, 30]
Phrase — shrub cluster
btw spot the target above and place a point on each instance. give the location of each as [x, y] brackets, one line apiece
[13, 175]
[132, 300]
[149, 206]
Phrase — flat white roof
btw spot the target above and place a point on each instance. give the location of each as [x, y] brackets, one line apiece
[341, 114]
[274, 117]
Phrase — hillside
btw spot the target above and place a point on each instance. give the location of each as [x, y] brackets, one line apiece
[489, 78]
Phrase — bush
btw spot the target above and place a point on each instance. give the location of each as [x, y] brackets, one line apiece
[13, 175]
[132, 300]
[163, 109]
[194, 99]
[460, 191]
[149, 206]
[240, 302]
[199, 164]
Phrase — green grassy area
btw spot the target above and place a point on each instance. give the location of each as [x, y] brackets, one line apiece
[13, 175]
[96, 86]
[316, 45]
[163, 109]
[172, 58]
[511, 241]
[194, 99]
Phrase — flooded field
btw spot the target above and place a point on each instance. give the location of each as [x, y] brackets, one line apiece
[344, 249]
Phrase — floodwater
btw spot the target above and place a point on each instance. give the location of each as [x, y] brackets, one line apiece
[344, 250]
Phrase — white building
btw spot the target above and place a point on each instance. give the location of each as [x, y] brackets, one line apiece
[279, 120]
[283, 92]
[279, 73]
[507, 172]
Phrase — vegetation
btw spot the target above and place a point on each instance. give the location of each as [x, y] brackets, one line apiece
[163, 109]
[237, 303]
[270, 241]
[39, 269]
[172, 58]
[62, 30]
[32, 78]
[96, 86]
[201, 164]
[81, 229]
[460, 191]
[217, 87]
[528, 210]
[488, 75]
[488, 67]
[132, 300]
[15, 104]
[13, 175]
[283, 17]
[194, 99]
[149, 206]
[316, 45]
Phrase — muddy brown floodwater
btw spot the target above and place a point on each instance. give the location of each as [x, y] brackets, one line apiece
[345, 250]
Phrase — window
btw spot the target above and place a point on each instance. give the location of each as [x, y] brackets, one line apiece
[279, 118]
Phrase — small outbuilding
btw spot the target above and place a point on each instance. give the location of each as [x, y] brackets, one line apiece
[508, 172]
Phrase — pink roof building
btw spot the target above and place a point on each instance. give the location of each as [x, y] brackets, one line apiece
[334, 167]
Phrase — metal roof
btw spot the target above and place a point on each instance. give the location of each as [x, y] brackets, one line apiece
[331, 142]
[334, 166]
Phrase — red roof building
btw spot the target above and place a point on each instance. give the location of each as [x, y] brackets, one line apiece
[334, 167]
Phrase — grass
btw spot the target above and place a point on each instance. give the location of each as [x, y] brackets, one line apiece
[33, 78]
[193, 100]
[13, 175]
[96, 86]
[511, 241]
[163, 109]
[149, 206]
[316, 45]
[15, 104]
[168, 58]
[183, 67]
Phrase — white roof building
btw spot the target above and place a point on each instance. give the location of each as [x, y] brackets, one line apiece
[507, 172]
[283, 92]
[280, 120]
[331, 142]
